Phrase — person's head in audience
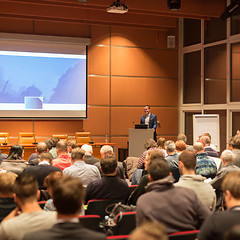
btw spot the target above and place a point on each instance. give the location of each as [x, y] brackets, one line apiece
[106, 149]
[87, 148]
[170, 147]
[236, 142]
[160, 142]
[233, 233]
[187, 163]
[205, 140]
[182, 136]
[7, 181]
[151, 156]
[158, 169]
[150, 231]
[49, 143]
[72, 143]
[50, 179]
[68, 196]
[55, 140]
[25, 189]
[208, 135]
[180, 146]
[230, 143]
[16, 152]
[46, 156]
[109, 165]
[231, 189]
[198, 147]
[41, 148]
[150, 143]
[61, 147]
[226, 157]
[77, 154]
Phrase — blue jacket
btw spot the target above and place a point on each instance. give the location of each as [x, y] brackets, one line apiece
[152, 121]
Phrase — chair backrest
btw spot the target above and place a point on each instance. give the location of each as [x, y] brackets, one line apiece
[119, 237]
[186, 235]
[98, 207]
[132, 188]
[42, 204]
[91, 222]
[83, 137]
[26, 138]
[4, 138]
[61, 136]
[126, 223]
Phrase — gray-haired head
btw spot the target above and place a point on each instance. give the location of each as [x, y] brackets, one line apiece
[227, 155]
[170, 146]
[106, 149]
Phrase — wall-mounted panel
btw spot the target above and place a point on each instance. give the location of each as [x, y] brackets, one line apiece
[98, 60]
[98, 121]
[100, 35]
[140, 37]
[98, 90]
[50, 127]
[139, 91]
[144, 62]
[61, 29]
[123, 118]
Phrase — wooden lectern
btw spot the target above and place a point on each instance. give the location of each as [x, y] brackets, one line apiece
[137, 138]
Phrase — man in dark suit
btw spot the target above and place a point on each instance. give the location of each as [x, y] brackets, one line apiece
[68, 196]
[150, 119]
[44, 168]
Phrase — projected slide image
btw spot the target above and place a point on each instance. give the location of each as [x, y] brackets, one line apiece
[42, 81]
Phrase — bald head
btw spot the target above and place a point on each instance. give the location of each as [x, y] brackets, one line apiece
[41, 148]
[198, 147]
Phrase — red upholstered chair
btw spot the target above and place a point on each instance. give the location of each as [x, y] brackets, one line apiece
[126, 223]
[91, 222]
[132, 188]
[42, 203]
[119, 237]
[186, 235]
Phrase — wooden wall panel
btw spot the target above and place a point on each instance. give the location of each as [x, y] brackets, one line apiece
[123, 118]
[121, 142]
[98, 90]
[98, 60]
[16, 25]
[100, 35]
[61, 29]
[140, 37]
[98, 121]
[139, 91]
[144, 62]
[50, 127]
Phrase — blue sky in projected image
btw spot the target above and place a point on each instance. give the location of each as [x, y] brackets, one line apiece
[23, 72]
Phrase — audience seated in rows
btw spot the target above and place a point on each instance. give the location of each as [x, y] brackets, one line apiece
[2, 155]
[43, 168]
[108, 150]
[205, 165]
[89, 158]
[141, 188]
[161, 145]
[68, 197]
[149, 145]
[228, 166]
[218, 223]
[14, 162]
[49, 143]
[206, 142]
[32, 217]
[63, 159]
[177, 207]
[7, 203]
[48, 183]
[172, 159]
[110, 186]
[86, 172]
[180, 146]
[34, 158]
[150, 231]
[189, 179]
[53, 151]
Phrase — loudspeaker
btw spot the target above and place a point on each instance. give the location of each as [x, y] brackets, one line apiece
[171, 41]
[174, 4]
